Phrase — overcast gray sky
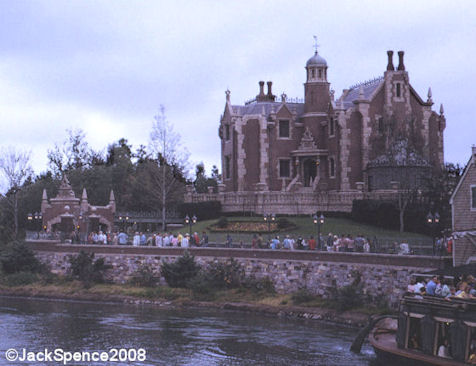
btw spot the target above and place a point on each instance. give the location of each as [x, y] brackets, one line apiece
[106, 66]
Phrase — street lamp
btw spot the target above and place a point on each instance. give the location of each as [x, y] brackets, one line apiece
[433, 220]
[318, 220]
[269, 218]
[36, 219]
[190, 221]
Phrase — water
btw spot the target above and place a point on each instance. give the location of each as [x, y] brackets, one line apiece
[186, 336]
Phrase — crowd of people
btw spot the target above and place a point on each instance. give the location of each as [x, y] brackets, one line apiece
[462, 287]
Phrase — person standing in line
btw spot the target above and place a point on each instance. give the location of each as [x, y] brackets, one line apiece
[158, 240]
[185, 241]
[136, 239]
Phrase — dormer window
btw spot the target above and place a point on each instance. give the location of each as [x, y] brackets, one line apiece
[283, 129]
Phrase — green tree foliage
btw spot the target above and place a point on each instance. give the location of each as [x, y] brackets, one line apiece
[17, 257]
[202, 182]
[180, 272]
[87, 270]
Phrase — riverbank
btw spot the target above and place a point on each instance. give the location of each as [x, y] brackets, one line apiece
[276, 305]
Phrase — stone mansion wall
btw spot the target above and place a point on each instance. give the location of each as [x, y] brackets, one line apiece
[383, 276]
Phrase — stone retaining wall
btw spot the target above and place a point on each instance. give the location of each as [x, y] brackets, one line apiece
[383, 276]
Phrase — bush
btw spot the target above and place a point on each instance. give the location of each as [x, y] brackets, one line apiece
[302, 296]
[222, 222]
[261, 285]
[283, 223]
[17, 257]
[144, 276]
[203, 210]
[20, 278]
[225, 275]
[86, 269]
[180, 272]
[350, 296]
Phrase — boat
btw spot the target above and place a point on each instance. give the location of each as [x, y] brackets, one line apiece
[427, 331]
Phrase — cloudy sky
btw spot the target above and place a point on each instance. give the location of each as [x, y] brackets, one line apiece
[107, 66]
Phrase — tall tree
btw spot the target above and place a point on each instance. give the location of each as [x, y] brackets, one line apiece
[16, 169]
[73, 153]
[170, 156]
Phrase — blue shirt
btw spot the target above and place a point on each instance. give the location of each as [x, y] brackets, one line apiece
[430, 288]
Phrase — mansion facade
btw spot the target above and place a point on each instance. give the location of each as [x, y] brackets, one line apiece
[375, 136]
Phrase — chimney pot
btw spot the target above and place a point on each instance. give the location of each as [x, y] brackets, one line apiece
[390, 66]
[261, 88]
[270, 84]
[401, 66]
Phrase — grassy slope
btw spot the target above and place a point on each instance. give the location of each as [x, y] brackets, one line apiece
[305, 227]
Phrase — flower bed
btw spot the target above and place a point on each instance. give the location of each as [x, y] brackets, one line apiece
[245, 227]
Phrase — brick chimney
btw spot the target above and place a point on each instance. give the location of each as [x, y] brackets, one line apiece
[390, 66]
[270, 92]
[261, 96]
[401, 66]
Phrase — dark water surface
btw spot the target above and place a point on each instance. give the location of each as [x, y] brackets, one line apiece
[173, 337]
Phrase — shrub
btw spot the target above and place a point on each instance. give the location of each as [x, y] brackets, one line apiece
[222, 222]
[302, 296]
[20, 278]
[180, 272]
[262, 285]
[144, 276]
[225, 275]
[203, 210]
[350, 296]
[86, 269]
[283, 223]
[17, 257]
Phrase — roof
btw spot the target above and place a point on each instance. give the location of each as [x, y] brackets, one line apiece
[267, 107]
[463, 176]
[368, 89]
[316, 60]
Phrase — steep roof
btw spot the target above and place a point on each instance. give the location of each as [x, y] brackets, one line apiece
[368, 89]
[268, 107]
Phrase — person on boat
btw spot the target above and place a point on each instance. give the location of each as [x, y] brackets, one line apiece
[411, 286]
[442, 288]
[418, 285]
[431, 286]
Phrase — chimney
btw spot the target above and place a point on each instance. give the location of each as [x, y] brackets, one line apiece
[261, 88]
[270, 84]
[390, 66]
[473, 150]
[401, 66]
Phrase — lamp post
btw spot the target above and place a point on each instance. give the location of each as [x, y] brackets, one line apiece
[433, 220]
[35, 219]
[318, 220]
[190, 221]
[269, 218]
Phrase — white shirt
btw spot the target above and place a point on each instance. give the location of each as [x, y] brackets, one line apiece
[158, 240]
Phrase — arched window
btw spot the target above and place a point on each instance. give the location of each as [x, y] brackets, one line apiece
[313, 73]
[320, 74]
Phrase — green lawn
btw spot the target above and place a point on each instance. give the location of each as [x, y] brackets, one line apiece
[306, 227]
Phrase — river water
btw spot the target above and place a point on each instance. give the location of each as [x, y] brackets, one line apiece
[187, 336]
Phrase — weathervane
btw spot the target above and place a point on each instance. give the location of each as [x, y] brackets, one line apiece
[315, 43]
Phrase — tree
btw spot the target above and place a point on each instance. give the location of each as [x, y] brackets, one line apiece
[74, 153]
[171, 158]
[15, 167]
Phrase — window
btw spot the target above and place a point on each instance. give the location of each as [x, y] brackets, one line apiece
[473, 197]
[332, 167]
[380, 125]
[227, 132]
[398, 90]
[313, 73]
[320, 74]
[331, 127]
[227, 167]
[283, 129]
[284, 170]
